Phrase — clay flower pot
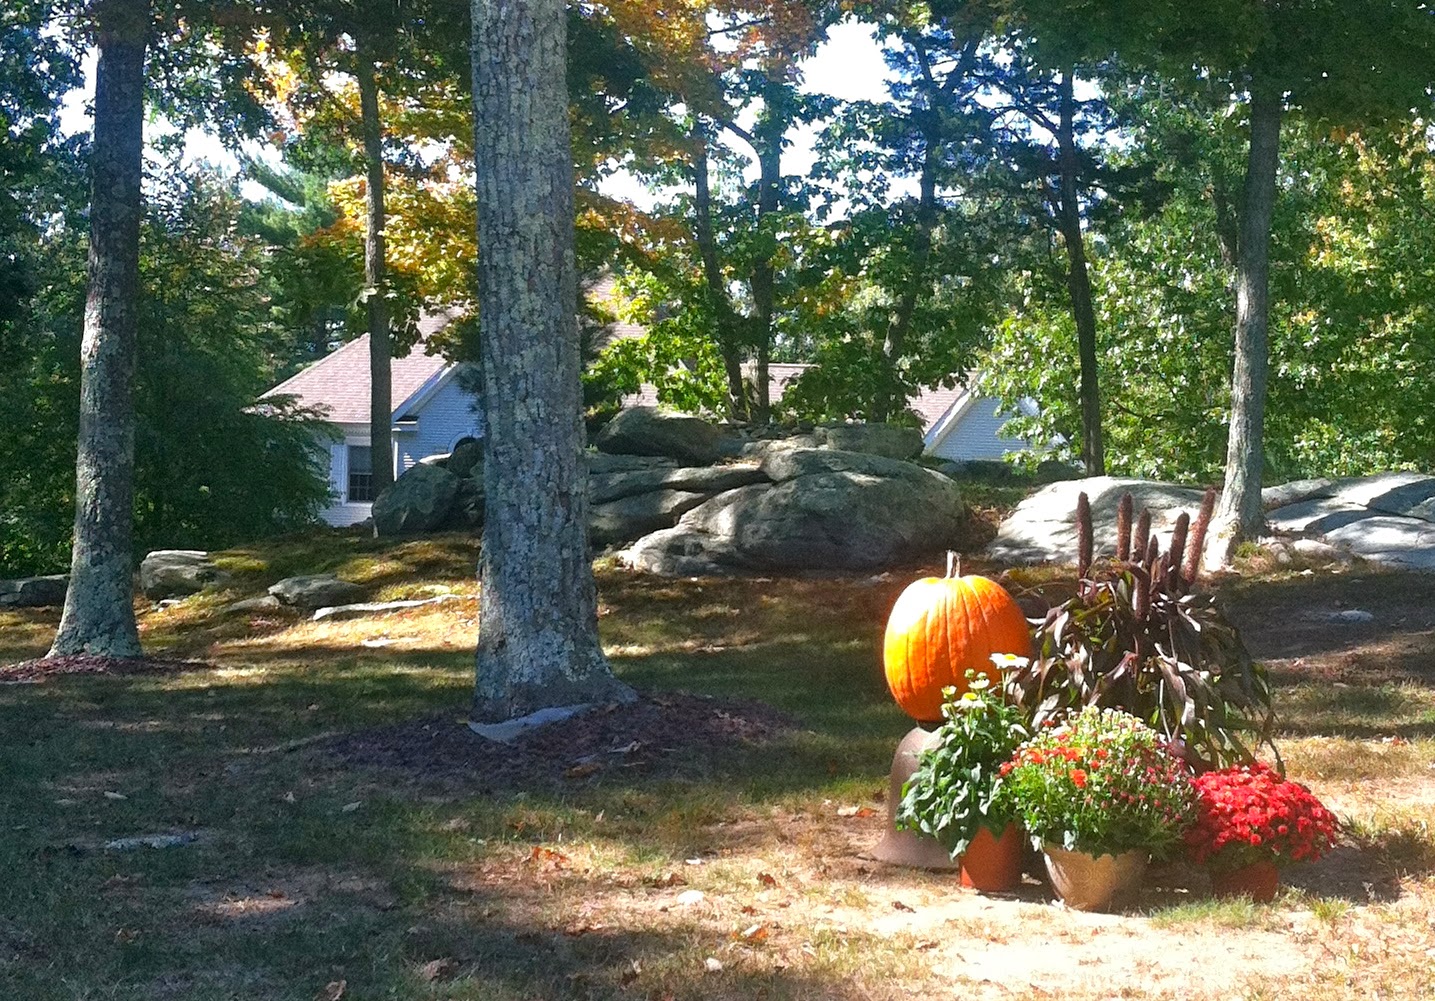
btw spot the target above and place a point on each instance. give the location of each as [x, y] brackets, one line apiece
[991, 863]
[1257, 880]
[1093, 882]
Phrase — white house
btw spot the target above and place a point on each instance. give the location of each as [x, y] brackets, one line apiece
[433, 413]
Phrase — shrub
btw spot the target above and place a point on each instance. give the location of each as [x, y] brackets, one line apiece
[1135, 636]
[1102, 783]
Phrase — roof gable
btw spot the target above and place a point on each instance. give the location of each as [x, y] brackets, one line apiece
[338, 383]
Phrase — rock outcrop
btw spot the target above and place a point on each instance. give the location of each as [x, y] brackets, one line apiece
[1042, 528]
[420, 500]
[314, 591]
[1386, 518]
[825, 510]
[34, 592]
[638, 514]
[175, 573]
[650, 431]
[805, 498]
[888, 440]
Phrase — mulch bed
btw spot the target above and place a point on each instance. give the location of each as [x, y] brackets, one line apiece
[656, 731]
[41, 668]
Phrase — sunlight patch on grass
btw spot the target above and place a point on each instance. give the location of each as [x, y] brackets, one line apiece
[1401, 838]
[26, 633]
[1347, 760]
[1233, 912]
[1356, 710]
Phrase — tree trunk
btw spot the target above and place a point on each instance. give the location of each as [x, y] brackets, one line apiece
[1078, 282]
[538, 625]
[769, 158]
[1245, 452]
[98, 617]
[381, 385]
[896, 340]
[725, 317]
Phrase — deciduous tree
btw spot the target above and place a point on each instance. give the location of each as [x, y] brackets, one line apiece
[98, 616]
[538, 629]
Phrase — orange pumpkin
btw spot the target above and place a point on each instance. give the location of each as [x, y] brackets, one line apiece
[942, 627]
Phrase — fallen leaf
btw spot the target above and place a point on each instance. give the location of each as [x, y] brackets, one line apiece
[542, 854]
[632, 973]
[668, 879]
[438, 969]
[926, 945]
[847, 811]
[693, 861]
[288, 797]
[350, 807]
[689, 897]
[583, 770]
[127, 935]
[767, 879]
[628, 748]
[712, 965]
[574, 931]
[333, 991]
[897, 905]
[115, 795]
[748, 909]
[753, 933]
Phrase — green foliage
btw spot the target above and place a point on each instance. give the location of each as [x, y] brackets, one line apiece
[316, 282]
[1137, 638]
[1102, 783]
[212, 467]
[1350, 322]
[956, 789]
[678, 355]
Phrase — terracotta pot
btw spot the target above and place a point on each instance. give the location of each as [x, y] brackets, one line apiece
[1258, 880]
[991, 863]
[1093, 882]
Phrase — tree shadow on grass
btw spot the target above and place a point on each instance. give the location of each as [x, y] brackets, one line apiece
[1294, 622]
[1361, 712]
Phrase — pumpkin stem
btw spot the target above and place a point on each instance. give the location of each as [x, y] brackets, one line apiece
[954, 564]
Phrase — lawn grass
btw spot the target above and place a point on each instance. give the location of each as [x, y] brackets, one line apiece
[307, 874]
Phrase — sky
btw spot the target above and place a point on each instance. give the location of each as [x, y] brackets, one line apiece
[848, 66]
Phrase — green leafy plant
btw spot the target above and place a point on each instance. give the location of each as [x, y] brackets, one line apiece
[1136, 636]
[957, 788]
[1102, 783]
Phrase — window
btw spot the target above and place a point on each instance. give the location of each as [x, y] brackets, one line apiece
[361, 473]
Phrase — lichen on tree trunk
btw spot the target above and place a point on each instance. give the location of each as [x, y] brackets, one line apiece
[98, 617]
[538, 631]
[1245, 451]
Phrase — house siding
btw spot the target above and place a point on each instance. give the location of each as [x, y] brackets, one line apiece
[341, 512]
[977, 435]
[445, 417]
